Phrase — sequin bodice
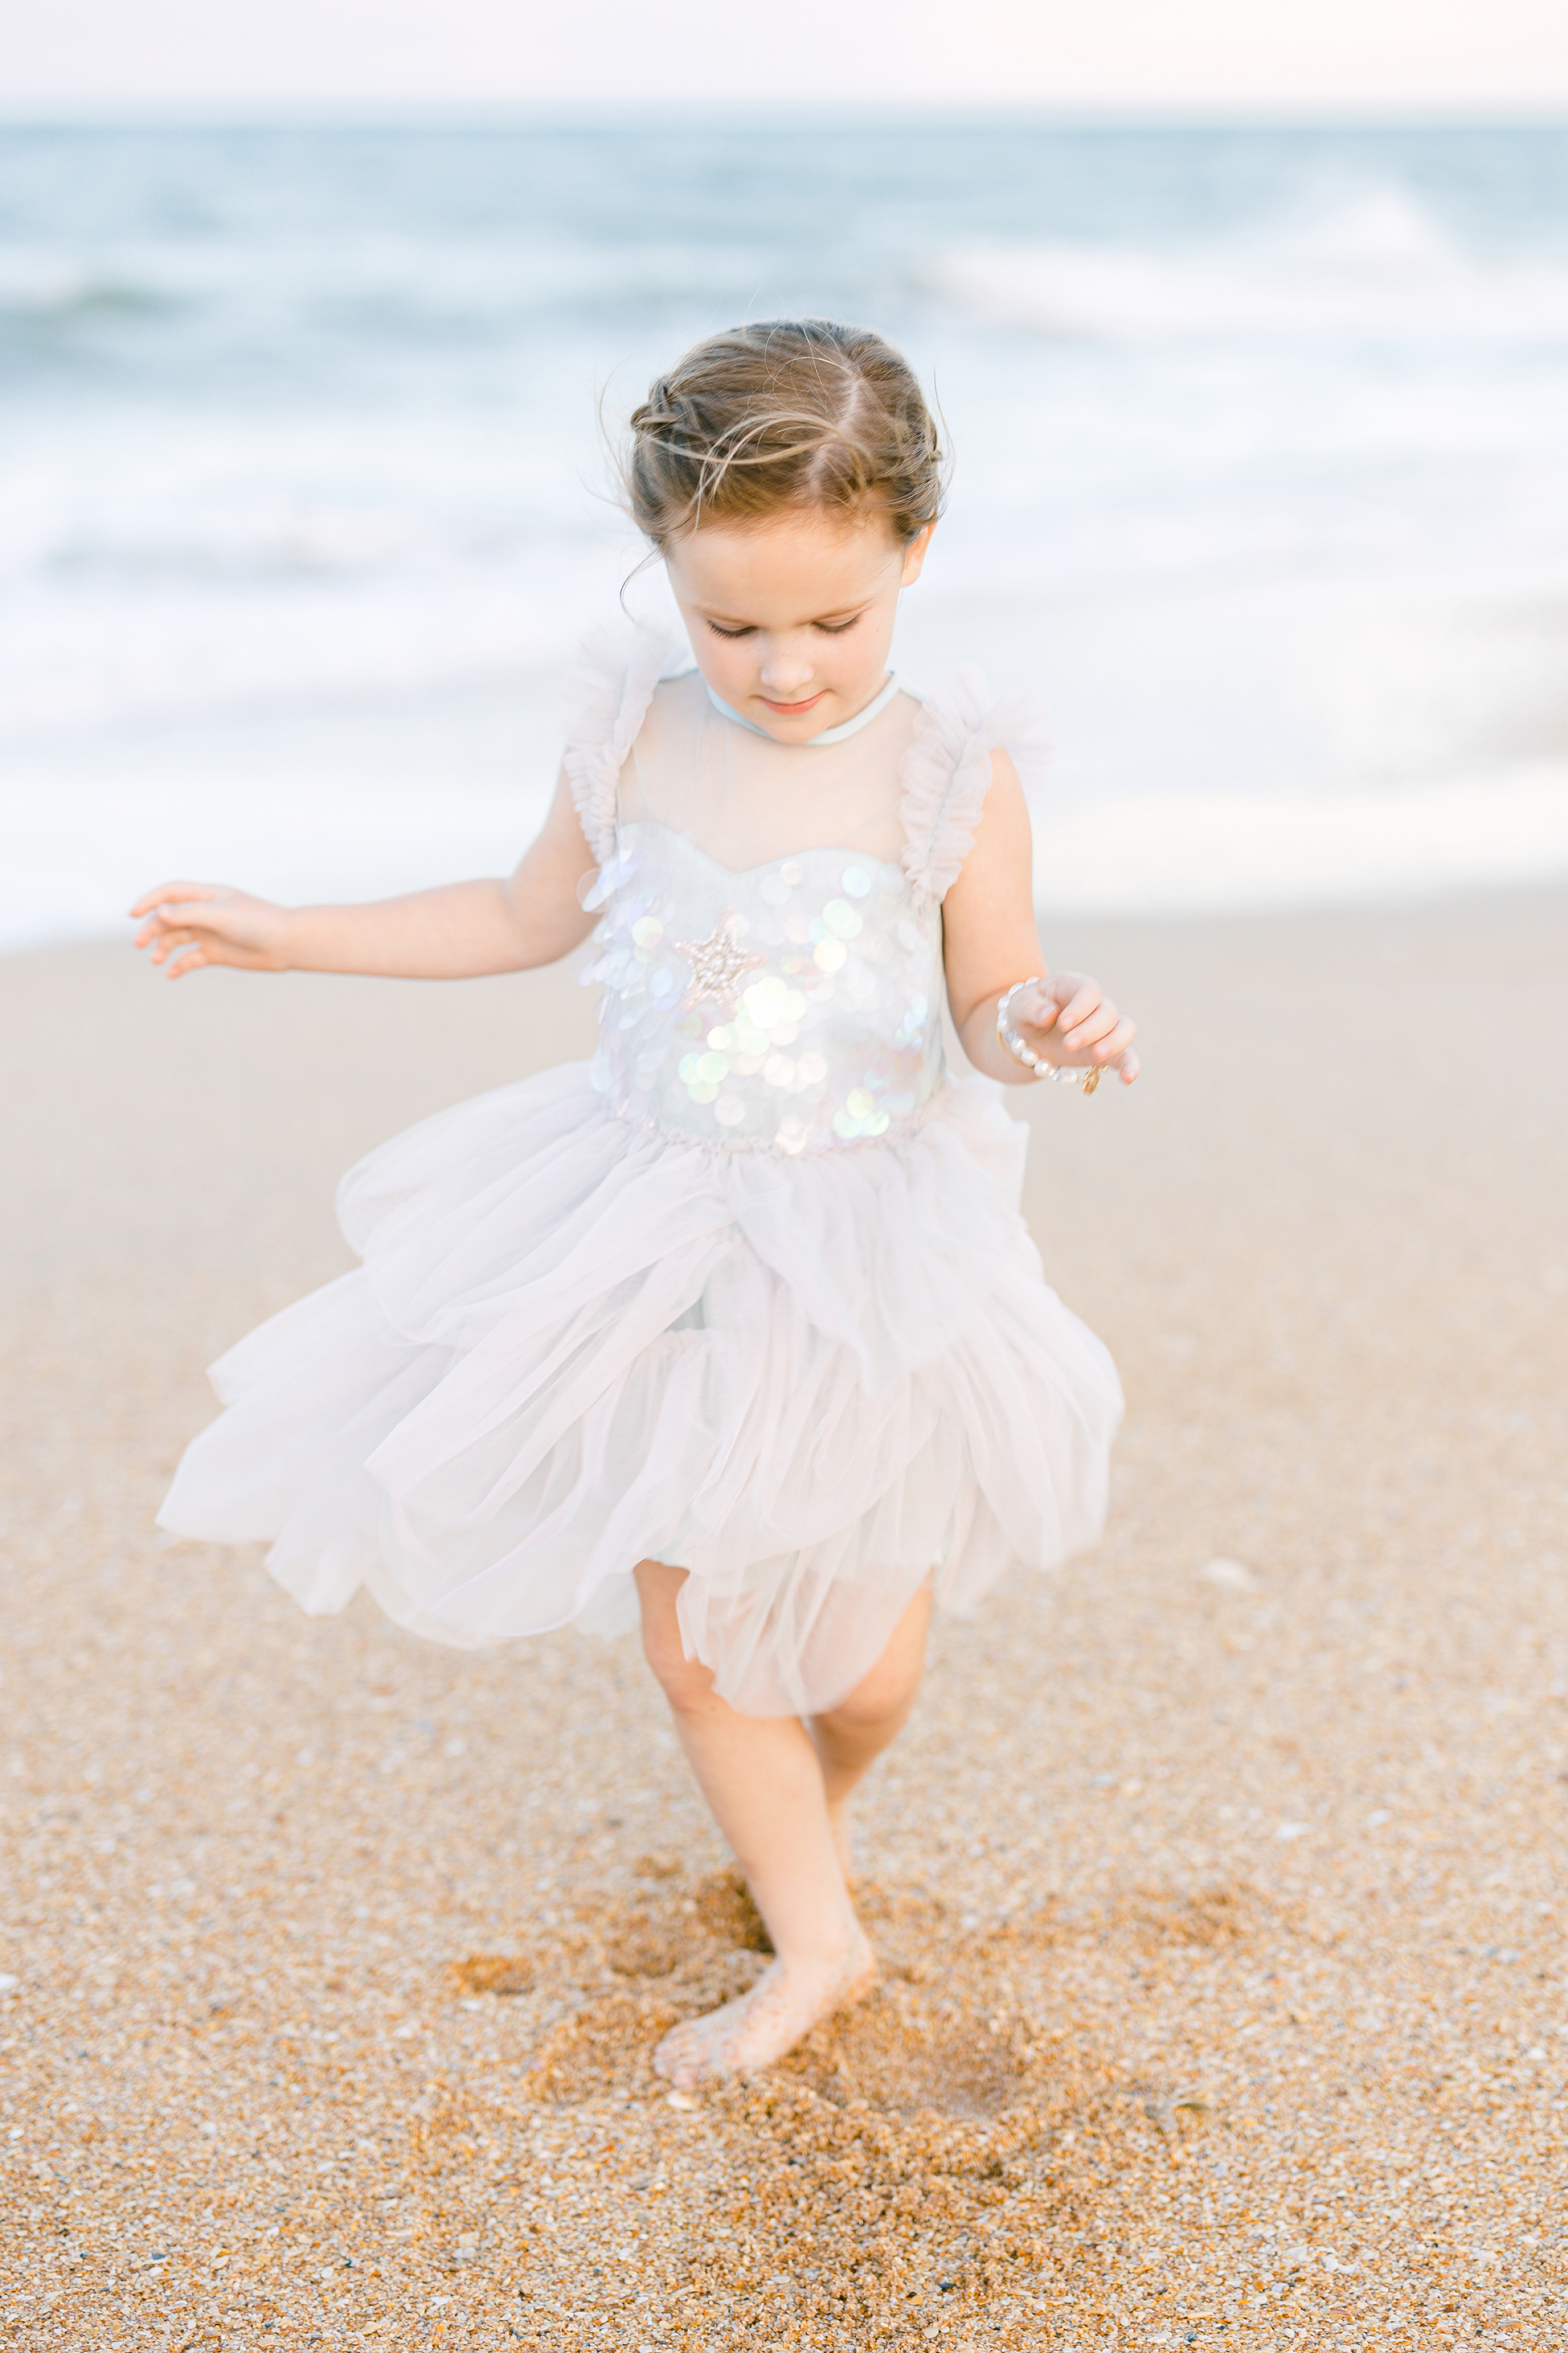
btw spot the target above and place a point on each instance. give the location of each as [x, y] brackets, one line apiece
[792, 1007]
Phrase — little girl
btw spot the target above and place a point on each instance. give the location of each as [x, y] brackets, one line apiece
[737, 1326]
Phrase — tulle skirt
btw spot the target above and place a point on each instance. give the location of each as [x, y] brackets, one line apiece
[574, 1344]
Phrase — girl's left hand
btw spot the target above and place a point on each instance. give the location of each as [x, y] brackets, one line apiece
[1070, 1024]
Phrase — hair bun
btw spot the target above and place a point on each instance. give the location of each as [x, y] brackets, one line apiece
[786, 413]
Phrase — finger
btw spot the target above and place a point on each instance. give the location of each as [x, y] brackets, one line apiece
[1065, 986]
[195, 918]
[191, 960]
[1085, 1001]
[169, 894]
[191, 914]
[1106, 1050]
[1032, 1009]
[168, 948]
[162, 923]
[1128, 1068]
[1089, 1032]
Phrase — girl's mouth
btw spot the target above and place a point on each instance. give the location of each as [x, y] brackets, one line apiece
[787, 709]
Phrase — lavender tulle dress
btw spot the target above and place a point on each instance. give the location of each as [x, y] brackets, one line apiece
[750, 1293]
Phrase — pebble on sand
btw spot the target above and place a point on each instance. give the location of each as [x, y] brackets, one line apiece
[1233, 1575]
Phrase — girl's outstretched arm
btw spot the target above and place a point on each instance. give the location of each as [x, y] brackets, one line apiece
[990, 941]
[455, 933]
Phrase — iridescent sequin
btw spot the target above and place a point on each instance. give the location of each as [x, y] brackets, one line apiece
[803, 1015]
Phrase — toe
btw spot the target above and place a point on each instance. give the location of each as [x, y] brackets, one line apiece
[667, 2055]
[679, 2058]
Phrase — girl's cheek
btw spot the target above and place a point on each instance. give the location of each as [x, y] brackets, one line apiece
[726, 659]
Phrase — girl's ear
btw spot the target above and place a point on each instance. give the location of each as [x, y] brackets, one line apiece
[915, 556]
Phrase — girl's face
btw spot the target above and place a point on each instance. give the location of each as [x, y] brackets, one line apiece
[791, 619]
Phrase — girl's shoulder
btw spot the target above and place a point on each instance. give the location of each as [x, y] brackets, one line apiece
[947, 770]
[604, 699]
[626, 670]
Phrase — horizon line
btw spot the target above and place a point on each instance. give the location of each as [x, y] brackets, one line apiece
[1070, 114]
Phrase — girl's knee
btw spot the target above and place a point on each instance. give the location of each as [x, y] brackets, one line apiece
[883, 1697]
[886, 1693]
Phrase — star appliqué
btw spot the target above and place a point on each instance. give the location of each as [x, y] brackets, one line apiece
[718, 965]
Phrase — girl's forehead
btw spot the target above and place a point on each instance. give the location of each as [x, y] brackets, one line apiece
[811, 560]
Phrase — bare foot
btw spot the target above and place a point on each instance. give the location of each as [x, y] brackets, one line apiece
[781, 2007]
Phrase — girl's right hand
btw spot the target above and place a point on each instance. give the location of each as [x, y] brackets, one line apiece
[188, 925]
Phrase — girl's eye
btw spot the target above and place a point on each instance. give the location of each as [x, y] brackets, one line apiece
[836, 628]
[718, 632]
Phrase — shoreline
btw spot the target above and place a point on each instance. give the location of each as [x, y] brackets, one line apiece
[1151, 858]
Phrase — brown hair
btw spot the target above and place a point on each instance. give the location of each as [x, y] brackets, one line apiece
[786, 413]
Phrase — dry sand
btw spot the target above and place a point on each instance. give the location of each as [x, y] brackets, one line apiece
[1223, 1912]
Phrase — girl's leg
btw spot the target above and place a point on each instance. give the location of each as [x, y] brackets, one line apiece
[761, 1777]
[851, 1737]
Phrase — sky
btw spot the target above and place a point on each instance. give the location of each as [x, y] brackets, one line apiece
[1423, 57]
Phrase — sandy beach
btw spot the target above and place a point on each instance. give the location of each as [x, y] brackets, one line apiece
[1218, 1880]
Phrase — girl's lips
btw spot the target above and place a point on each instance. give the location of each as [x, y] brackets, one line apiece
[784, 709]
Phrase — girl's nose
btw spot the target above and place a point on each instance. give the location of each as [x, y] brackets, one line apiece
[784, 670]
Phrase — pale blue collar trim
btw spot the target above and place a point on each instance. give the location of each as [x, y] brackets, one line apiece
[873, 710]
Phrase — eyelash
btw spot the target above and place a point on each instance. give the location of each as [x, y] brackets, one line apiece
[829, 628]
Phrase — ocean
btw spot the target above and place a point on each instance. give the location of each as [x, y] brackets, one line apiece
[1261, 442]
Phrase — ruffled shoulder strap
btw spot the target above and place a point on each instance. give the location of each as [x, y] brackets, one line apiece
[604, 698]
[946, 772]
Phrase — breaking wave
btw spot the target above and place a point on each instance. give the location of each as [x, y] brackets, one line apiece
[1377, 265]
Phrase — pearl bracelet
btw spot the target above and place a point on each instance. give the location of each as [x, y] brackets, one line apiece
[1013, 1045]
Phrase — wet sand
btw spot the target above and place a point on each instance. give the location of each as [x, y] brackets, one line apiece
[1219, 1880]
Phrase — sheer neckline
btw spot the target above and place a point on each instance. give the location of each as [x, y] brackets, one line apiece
[846, 727]
[763, 865]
